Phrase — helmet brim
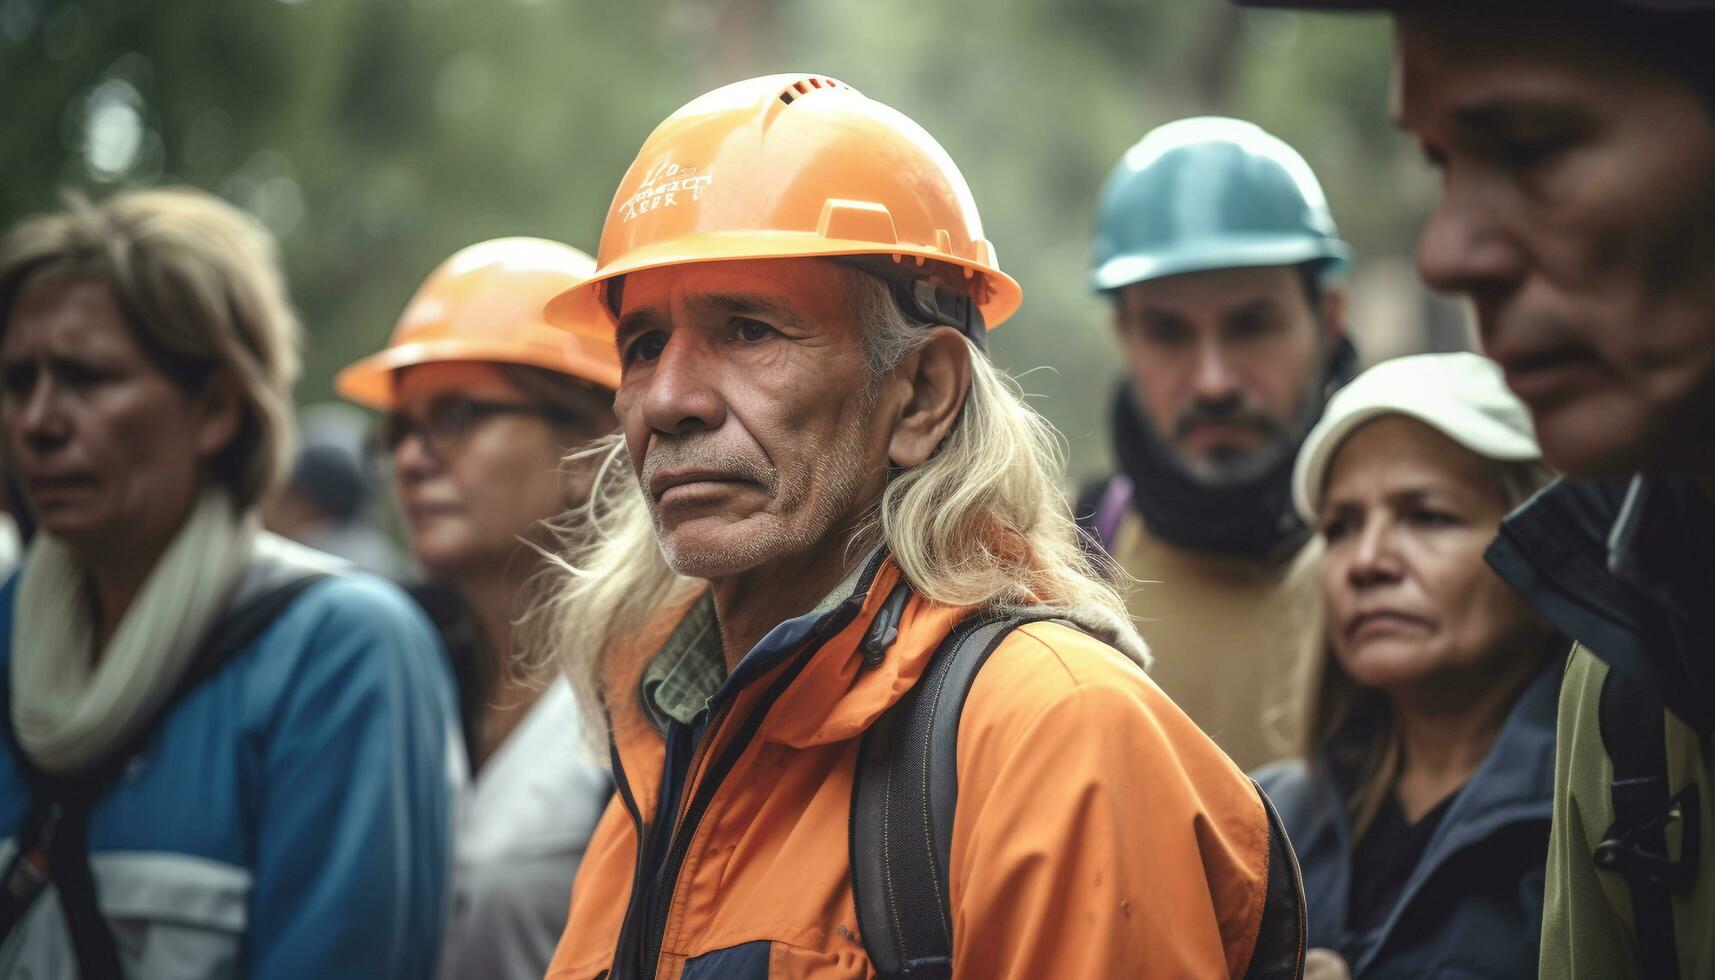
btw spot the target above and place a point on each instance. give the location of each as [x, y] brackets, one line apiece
[370, 381]
[1223, 252]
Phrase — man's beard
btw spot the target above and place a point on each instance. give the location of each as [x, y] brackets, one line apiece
[1228, 466]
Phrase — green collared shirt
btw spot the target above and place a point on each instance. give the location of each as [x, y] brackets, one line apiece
[688, 669]
[690, 666]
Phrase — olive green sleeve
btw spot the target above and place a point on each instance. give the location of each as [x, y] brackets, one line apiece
[1586, 918]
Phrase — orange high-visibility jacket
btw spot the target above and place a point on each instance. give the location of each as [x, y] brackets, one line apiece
[1098, 832]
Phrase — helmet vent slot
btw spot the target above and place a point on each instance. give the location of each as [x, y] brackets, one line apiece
[808, 84]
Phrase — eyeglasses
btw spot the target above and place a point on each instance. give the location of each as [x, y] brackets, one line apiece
[449, 420]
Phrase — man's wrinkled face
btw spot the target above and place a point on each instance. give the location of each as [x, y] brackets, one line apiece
[1225, 364]
[1578, 214]
[748, 411]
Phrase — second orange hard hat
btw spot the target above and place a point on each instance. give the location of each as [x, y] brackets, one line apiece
[794, 166]
[485, 304]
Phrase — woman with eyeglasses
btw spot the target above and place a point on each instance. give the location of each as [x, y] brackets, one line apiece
[484, 400]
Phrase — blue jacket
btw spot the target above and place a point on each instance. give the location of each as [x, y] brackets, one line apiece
[289, 818]
[1472, 906]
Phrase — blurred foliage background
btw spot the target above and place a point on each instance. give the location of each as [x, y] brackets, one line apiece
[376, 137]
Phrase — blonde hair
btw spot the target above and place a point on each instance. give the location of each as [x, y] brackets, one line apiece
[199, 284]
[1336, 699]
[983, 522]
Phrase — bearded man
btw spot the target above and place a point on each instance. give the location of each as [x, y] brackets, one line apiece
[1219, 258]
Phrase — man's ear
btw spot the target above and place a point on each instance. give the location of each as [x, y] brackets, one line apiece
[1333, 313]
[219, 410]
[939, 377]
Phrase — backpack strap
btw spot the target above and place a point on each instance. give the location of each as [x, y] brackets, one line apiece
[1631, 720]
[902, 809]
[903, 801]
[52, 845]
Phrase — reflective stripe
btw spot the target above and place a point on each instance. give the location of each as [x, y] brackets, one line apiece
[179, 888]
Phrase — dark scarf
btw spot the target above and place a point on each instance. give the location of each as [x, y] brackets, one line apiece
[1254, 519]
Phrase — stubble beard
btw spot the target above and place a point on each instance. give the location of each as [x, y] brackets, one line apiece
[1231, 467]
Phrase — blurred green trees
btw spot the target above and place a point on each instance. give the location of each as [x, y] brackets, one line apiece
[376, 137]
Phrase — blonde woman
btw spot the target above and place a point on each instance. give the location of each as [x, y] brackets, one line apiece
[224, 756]
[1420, 814]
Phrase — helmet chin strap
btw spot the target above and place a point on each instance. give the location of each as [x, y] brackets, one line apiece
[612, 292]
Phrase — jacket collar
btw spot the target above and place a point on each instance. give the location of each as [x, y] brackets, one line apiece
[1663, 543]
[1516, 780]
[860, 672]
[690, 668]
[1515, 784]
[1516, 777]
[865, 652]
[1626, 568]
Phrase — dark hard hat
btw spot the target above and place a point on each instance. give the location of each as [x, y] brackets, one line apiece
[1210, 193]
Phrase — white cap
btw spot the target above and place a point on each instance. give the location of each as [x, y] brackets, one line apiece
[1463, 396]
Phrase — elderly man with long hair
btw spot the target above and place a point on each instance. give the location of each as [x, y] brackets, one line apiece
[822, 491]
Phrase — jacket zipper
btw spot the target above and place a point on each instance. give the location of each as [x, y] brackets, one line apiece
[627, 940]
[702, 797]
[625, 955]
[690, 816]
[729, 754]
[655, 931]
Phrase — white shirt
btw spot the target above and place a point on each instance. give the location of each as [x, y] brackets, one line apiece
[522, 828]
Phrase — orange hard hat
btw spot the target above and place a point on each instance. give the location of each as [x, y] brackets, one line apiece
[485, 304]
[795, 166]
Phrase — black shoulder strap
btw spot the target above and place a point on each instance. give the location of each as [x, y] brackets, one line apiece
[237, 629]
[902, 810]
[1632, 720]
[51, 844]
[902, 827]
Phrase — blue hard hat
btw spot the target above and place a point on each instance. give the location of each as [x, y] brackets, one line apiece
[1210, 193]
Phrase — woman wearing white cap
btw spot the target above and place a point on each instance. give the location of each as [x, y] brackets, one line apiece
[1420, 812]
